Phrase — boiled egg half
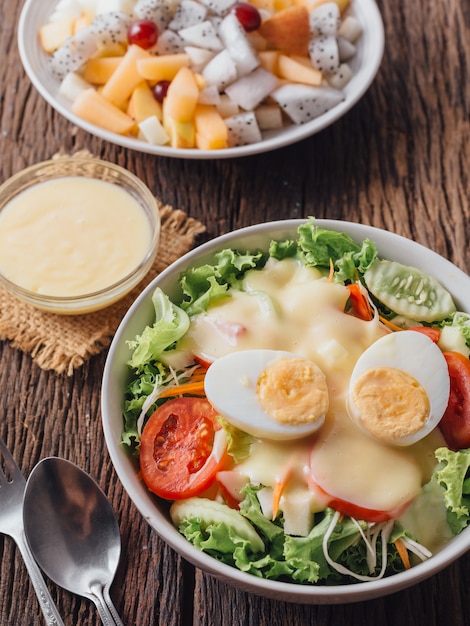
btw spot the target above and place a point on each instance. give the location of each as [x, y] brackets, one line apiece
[270, 394]
[399, 388]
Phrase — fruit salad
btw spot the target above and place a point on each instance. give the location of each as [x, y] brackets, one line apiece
[197, 73]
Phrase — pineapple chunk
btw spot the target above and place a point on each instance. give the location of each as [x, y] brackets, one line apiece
[142, 104]
[53, 34]
[125, 78]
[211, 130]
[182, 134]
[99, 70]
[297, 72]
[94, 108]
[310, 5]
[182, 96]
[163, 67]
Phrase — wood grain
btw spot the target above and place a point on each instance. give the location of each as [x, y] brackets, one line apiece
[398, 160]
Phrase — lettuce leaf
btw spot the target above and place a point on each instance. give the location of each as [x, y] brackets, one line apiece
[208, 283]
[171, 323]
[453, 473]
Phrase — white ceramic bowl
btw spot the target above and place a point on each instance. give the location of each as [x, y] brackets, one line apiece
[365, 64]
[156, 512]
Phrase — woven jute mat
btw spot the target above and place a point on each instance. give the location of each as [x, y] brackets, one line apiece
[63, 342]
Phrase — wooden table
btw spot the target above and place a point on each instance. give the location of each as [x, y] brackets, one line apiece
[399, 160]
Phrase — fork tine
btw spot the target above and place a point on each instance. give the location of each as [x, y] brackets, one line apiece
[9, 463]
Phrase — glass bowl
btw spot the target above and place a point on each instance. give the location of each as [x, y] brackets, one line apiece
[108, 287]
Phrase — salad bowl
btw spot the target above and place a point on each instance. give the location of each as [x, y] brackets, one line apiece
[157, 511]
[364, 66]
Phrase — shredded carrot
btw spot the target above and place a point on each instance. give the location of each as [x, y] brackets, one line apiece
[403, 552]
[332, 271]
[389, 324]
[280, 486]
[194, 387]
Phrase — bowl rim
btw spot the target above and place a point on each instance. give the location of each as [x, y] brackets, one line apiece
[147, 505]
[58, 168]
[371, 57]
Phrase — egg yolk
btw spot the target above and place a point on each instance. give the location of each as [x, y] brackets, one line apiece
[293, 391]
[390, 403]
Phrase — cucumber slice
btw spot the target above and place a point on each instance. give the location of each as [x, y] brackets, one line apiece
[408, 291]
[210, 512]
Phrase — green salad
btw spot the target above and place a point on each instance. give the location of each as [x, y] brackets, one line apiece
[277, 507]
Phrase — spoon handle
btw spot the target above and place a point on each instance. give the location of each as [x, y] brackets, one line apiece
[107, 617]
[46, 602]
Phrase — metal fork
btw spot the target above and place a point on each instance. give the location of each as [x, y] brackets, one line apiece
[12, 488]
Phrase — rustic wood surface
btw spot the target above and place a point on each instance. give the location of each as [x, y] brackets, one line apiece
[398, 160]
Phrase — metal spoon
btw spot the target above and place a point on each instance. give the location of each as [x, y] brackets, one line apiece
[73, 533]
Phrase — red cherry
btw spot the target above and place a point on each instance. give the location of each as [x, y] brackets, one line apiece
[143, 33]
[248, 15]
[160, 90]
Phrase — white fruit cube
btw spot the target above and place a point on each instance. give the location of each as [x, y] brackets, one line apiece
[152, 131]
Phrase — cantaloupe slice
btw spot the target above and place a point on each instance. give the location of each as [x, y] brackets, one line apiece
[94, 108]
[163, 67]
[211, 130]
[99, 70]
[182, 96]
[288, 30]
[142, 104]
[297, 72]
[268, 60]
[125, 78]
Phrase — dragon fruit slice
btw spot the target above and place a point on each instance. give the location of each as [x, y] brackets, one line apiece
[168, 42]
[242, 129]
[198, 57]
[220, 71]
[324, 53]
[159, 11]
[187, 14]
[219, 7]
[209, 95]
[110, 28]
[325, 20]
[202, 35]
[303, 103]
[340, 77]
[250, 90]
[236, 42]
[74, 53]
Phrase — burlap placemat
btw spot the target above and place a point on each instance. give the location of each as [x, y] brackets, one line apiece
[62, 342]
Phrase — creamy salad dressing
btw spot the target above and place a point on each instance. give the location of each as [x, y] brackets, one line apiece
[306, 315]
[72, 236]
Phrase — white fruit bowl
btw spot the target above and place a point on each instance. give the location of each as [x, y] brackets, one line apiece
[364, 65]
[155, 511]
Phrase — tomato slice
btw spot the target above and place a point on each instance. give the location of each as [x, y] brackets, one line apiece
[433, 333]
[181, 449]
[455, 423]
[350, 509]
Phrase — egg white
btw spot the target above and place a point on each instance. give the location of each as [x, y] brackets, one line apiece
[418, 356]
[230, 386]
